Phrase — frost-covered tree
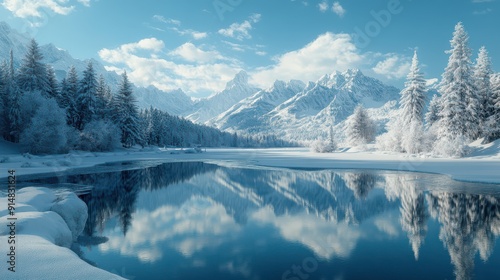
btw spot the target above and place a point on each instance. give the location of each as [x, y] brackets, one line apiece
[47, 131]
[412, 101]
[412, 105]
[482, 77]
[126, 114]
[52, 84]
[460, 105]
[99, 136]
[103, 98]
[69, 93]
[3, 105]
[86, 101]
[33, 73]
[360, 128]
[329, 146]
[493, 123]
[432, 115]
[11, 100]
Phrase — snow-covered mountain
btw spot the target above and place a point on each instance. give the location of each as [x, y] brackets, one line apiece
[174, 102]
[235, 91]
[247, 113]
[304, 112]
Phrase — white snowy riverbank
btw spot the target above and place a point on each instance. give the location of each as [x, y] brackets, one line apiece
[39, 240]
[482, 165]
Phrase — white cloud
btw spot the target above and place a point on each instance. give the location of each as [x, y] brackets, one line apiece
[338, 9]
[483, 12]
[29, 8]
[241, 31]
[192, 33]
[323, 6]
[394, 66]
[144, 63]
[327, 53]
[167, 20]
[325, 238]
[174, 227]
[175, 26]
[85, 3]
[201, 70]
[191, 53]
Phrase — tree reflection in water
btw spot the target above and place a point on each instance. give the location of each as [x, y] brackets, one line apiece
[469, 223]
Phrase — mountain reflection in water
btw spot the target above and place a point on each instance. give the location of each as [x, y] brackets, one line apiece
[198, 210]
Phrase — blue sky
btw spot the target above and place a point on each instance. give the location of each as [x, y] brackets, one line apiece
[199, 45]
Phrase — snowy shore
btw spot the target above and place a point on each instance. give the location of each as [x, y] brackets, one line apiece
[40, 238]
[482, 165]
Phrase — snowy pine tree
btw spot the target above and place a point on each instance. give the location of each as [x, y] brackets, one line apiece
[103, 98]
[69, 93]
[360, 128]
[86, 101]
[482, 76]
[126, 114]
[11, 100]
[493, 122]
[53, 87]
[432, 115]
[47, 131]
[33, 73]
[412, 100]
[460, 106]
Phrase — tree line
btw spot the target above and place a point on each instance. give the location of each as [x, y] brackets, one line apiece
[466, 108]
[82, 113]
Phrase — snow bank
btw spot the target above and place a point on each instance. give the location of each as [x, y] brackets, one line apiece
[47, 225]
[73, 211]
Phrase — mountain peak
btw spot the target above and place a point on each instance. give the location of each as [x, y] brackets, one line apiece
[352, 73]
[240, 79]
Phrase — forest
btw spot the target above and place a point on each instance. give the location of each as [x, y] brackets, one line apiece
[47, 116]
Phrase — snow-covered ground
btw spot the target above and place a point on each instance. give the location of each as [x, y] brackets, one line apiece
[482, 164]
[48, 223]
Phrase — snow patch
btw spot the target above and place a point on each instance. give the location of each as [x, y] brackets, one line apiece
[47, 225]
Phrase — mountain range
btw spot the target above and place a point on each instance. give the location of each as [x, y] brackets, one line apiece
[292, 110]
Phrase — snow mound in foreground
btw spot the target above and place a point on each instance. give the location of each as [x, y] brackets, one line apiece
[73, 211]
[47, 225]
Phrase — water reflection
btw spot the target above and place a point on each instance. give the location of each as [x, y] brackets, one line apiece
[198, 210]
[469, 224]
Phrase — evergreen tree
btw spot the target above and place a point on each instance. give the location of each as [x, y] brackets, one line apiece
[86, 101]
[482, 76]
[460, 106]
[126, 114]
[33, 73]
[360, 128]
[3, 105]
[494, 120]
[53, 87]
[103, 98]
[413, 95]
[69, 93]
[47, 132]
[11, 100]
[432, 115]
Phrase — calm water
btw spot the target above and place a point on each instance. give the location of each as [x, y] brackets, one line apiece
[203, 221]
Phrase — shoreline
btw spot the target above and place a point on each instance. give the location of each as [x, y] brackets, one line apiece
[471, 169]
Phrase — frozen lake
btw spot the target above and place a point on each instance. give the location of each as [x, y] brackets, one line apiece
[194, 220]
